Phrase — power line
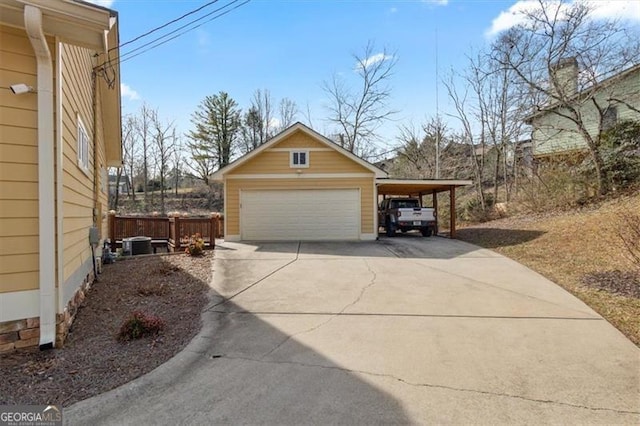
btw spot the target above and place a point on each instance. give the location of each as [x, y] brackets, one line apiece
[164, 25]
[127, 56]
[129, 53]
[190, 29]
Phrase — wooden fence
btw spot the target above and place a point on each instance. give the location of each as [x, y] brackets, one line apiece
[172, 232]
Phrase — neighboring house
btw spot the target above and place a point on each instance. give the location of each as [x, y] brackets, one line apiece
[299, 185]
[617, 97]
[119, 187]
[59, 131]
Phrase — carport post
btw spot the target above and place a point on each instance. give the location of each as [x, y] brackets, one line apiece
[452, 211]
[435, 208]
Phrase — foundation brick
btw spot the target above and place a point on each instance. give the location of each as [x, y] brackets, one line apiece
[29, 333]
[9, 326]
[28, 342]
[33, 322]
[7, 347]
[8, 337]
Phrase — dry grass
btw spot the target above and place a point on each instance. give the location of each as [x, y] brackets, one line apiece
[566, 247]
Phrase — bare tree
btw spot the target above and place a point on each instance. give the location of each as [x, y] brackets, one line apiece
[164, 136]
[129, 153]
[251, 130]
[288, 113]
[359, 112]
[177, 159]
[143, 132]
[562, 52]
[262, 104]
[471, 110]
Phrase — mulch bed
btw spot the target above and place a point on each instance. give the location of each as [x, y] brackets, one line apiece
[625, 283]
[93, 360]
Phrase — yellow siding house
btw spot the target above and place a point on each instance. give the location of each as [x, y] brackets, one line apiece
[59, 131]
[300, 185]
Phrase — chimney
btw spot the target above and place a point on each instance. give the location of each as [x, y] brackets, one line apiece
[565, 75]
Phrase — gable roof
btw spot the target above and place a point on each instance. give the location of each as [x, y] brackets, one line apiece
[220, 173]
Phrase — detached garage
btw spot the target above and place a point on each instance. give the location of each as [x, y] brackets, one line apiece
[300, 186]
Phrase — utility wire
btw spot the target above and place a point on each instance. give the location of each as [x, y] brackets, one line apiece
[164, 25]
[129, 53]
[127, 56]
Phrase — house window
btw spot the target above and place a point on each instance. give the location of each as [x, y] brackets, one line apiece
[299, 159]
[83, 146]
[609, 118]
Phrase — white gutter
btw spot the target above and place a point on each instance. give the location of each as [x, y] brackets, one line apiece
[59, 178]
[46, 176]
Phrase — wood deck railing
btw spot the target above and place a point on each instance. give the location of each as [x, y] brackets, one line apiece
[175, 231]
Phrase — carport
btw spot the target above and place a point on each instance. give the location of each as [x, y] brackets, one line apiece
[422, 187]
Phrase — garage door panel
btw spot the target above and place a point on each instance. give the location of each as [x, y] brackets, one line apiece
[300, 214]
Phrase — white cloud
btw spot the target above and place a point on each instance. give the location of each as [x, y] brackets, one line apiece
[128, 92]
[629, 10]
[437, 2]
[513, 16]
[103, 3]
[204, 39]
[393, 10]
[373, 59]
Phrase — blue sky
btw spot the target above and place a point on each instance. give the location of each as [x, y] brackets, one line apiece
[291, 46]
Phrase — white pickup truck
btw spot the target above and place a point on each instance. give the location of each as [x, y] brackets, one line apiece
[406, 214]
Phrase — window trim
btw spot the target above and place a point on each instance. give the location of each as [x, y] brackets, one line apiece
[82, 136]
[299, 151]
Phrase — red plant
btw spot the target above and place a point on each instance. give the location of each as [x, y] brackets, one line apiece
[139, 325]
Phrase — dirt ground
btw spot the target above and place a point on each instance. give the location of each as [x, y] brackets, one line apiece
[580, 250]
[93, 360]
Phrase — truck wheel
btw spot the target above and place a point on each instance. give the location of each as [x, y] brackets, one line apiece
[426, 232]
[391, 229]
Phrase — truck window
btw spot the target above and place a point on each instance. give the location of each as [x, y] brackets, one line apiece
[404, 204]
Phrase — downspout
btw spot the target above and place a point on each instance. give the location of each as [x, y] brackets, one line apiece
[46, 176]
[59, 180]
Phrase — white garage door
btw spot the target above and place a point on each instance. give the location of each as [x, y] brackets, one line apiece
[312, 214]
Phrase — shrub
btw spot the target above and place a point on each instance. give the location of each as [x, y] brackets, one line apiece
[473, 211]
[195, 245]
[621, 154]
[139, 325]
[629, 234]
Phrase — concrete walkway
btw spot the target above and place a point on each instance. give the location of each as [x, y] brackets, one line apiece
[403, 330]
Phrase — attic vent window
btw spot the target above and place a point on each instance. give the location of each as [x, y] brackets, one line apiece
[299, 159]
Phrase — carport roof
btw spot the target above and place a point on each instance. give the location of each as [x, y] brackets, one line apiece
[416, 186]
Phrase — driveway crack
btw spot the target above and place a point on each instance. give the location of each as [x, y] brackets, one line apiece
[363, 290]
[428, 385]
[250, 286]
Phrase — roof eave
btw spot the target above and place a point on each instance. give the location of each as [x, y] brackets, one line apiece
[73, 22]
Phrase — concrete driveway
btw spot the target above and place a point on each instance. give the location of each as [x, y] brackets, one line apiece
[403, 330]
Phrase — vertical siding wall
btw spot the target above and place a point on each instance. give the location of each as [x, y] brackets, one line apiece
[78, 184]
[18, 164]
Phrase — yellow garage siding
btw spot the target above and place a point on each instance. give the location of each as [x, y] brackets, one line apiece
[77, 95]
[299, 139]
[270, 162]
[18, 165]
[234, 186]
